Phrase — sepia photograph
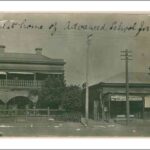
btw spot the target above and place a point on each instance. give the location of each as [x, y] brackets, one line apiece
[74, 74]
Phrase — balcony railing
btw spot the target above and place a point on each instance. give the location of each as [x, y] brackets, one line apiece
[21, 83]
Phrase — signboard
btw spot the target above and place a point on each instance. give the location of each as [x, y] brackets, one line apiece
[123, 98]
[147, 102]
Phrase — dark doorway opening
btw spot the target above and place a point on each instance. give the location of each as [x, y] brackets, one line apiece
[20, 102]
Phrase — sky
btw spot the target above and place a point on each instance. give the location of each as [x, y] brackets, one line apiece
[111, 34]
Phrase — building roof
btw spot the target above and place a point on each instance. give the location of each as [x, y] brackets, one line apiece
[134, 77]
[27, 58]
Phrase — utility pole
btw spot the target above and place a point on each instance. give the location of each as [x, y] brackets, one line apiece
[127, 56]
[87, 73]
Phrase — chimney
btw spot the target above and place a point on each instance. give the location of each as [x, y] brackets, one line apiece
[38, 51]
[2, 49]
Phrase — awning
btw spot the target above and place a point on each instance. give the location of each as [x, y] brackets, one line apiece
[123, 98]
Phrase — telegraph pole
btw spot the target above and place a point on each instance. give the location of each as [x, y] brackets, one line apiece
[127, 56]
[87, 72]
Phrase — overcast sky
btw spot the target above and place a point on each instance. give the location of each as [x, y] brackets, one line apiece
[105, 47]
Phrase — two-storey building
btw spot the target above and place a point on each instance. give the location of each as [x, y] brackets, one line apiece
[22, 72]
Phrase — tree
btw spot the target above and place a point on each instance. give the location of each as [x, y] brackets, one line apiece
[72, 98]
[55, 93]
[51, 94]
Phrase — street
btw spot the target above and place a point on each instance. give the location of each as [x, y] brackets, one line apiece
[137, 128]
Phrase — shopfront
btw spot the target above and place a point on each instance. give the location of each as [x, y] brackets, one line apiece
[118, 105]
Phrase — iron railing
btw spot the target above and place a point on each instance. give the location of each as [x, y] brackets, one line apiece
[30, 114]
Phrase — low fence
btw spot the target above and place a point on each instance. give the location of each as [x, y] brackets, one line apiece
[48, 114]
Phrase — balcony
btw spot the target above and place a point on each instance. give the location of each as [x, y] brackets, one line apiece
[20, 83]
